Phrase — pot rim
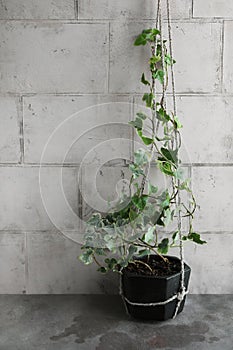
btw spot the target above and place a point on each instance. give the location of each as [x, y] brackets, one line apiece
[133, 274]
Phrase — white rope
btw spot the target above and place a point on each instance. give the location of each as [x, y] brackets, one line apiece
[147, 170]
[171, 54]
[163, 99]
[179, 296]
[182, 291]
[122, 293]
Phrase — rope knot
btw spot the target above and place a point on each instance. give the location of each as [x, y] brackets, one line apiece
[181, 295]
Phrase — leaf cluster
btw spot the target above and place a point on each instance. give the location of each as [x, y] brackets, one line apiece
[137, 224]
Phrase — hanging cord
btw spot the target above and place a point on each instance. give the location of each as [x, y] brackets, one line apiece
[147, 170]
[171, 55]
[154, 53]
[164, 88]
[182, 291]
[126, 301]
[121, 292]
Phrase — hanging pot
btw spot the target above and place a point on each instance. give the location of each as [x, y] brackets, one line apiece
[144, 289]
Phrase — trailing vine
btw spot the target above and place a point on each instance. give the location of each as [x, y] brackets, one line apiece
[135, 228]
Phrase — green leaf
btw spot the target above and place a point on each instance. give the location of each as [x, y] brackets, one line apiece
[95, 220]
[147, 35]
[132, 215]
[87, 257]
[100, 251]
[143, 252]
[163, 246]
[146, 140]
[123, 262]
[149, 235]
[165, 168]
[137, 123]
[111, 263]
[142, 116]
[163, 116]
[170, 155]
[185, 186]
[165, 138]
[147, 31]
[196, 237]
[134, 237]
[155, 59]
[152, 189]
[132, 251]
[141, 40]
[178, 124]
[165, 200]
[140, 201]
[168, 60]
[174, 237]
[141, 157]
[159, 74]
[179, 174]
[102, 269]
[111, 244]
[107, 237]
[136, 171]
[155, 31]
[159, 220]
[144, 81]
[148, 98]
[150, 34]
[167, 217]
[110, 241]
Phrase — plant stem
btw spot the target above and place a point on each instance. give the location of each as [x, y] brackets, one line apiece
[142, 263]
[154, 250]
[96, 261]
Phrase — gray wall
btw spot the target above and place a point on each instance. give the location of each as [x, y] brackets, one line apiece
[59, 57]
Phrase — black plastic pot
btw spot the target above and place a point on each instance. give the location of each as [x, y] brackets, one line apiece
[151, 289]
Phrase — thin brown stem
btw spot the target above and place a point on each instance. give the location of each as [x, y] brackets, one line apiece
[96, 261]
[142, 263]
[154, 250]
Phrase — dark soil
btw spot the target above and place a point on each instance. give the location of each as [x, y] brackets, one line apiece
[158, 266]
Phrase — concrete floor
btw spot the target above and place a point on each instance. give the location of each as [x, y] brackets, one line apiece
[74, 322]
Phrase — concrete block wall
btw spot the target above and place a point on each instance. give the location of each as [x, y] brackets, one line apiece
[58, 58]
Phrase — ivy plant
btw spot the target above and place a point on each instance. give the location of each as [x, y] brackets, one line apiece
[136, 226]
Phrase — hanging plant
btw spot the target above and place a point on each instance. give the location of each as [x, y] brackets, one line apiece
[132, 239]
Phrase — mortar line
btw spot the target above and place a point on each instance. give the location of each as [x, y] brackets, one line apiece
[75, 94]
[111, 94]
[56, 21]
[33, 231]
[212, 19]
[190, 175]
[56, 231]
[222, 57]
[210, 165]
[80, 201]
[133, 131]
[26, 263]
[76, 9]
[120, 164]
[21, 128]
[115, 20]
[109, 52]
[192, 10]
[132, 109]
[193, 20]
[193, 94]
